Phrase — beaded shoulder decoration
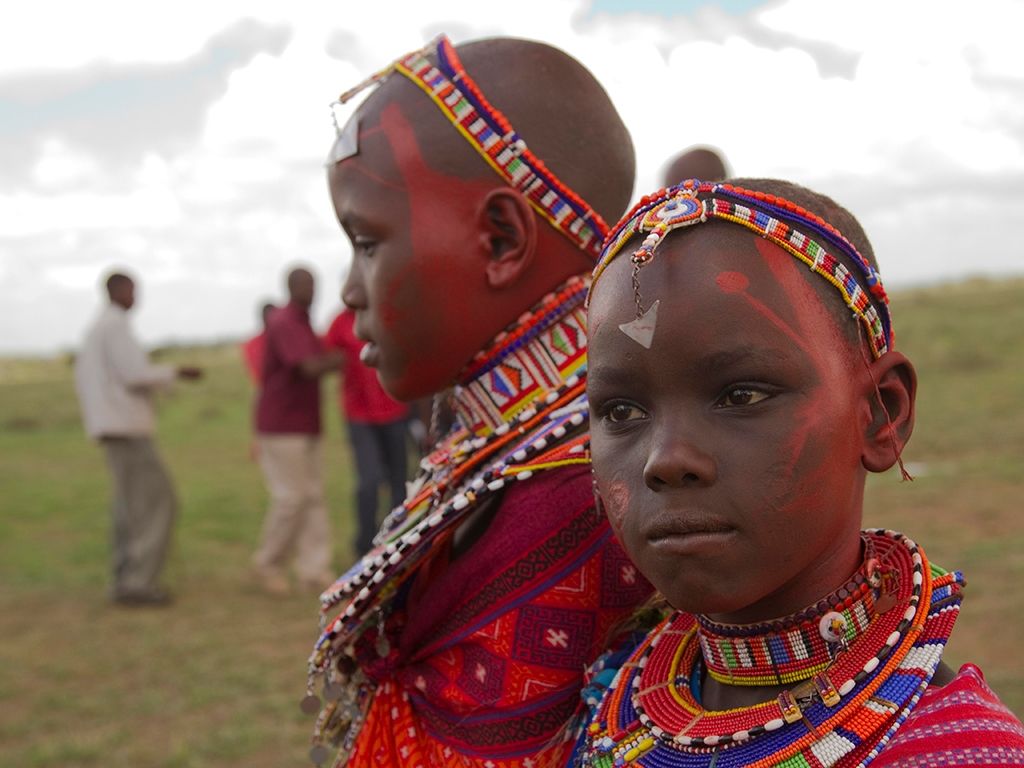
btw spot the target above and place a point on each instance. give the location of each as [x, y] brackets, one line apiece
[841, 714]
[489, 132]
[466, 471]
[778, 220]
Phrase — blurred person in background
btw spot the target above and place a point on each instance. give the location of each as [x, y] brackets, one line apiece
[697, 162]
[377, 430]
[289, 447]
[254, 349]
[116, 383]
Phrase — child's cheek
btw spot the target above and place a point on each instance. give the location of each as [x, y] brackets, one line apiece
[616, 502]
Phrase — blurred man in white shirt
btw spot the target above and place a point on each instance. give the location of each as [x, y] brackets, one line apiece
[116, 383]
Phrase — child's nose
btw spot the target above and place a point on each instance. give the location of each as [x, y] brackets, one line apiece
[676, 461]
[353, 292]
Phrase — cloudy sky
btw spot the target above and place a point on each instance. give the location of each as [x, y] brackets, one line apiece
[185, 141]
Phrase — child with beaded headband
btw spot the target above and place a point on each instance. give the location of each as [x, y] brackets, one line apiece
[743, 380]
[472, 184]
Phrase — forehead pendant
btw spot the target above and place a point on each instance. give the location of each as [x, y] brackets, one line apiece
[346, 142]
[681, 210]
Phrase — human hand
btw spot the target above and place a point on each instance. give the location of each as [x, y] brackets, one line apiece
[190, 372]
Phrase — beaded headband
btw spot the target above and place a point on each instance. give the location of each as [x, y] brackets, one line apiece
[489, 132]
[694, 202]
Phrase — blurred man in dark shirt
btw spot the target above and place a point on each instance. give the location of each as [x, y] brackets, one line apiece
[288, 435]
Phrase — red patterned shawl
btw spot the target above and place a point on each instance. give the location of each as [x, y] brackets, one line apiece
[961, 723]
[494, 645]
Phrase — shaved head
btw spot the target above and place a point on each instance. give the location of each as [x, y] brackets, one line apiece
[448, 251]
[553, 102]
[839, 217]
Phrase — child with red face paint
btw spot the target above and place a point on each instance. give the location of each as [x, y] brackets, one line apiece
[461, 638]
[743, 381]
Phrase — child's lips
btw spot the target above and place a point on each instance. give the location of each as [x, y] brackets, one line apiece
[687, 531]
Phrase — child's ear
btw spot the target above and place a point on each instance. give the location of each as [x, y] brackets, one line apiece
[891, 400]
[508, 236]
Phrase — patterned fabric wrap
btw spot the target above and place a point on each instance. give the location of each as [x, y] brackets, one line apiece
[962, 723]
[489, 132]
[804, 235]
[480, 656]
[492, 649]
[872, 718]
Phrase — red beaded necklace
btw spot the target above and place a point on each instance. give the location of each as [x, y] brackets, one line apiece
[843, 715]
[799, 646]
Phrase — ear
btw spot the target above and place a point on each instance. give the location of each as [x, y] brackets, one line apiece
[508, 234]
[890, 397]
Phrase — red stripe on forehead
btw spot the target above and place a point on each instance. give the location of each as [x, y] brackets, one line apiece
[738, 283]
[732, 282]
[375, 135]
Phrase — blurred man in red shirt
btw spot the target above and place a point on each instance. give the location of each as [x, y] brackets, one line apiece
[290, 453]
[376, 429]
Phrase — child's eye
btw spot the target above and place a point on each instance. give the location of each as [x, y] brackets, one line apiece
[363, 246]
[740, 396]
[621, 412]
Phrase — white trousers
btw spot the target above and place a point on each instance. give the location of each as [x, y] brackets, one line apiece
[296, 521]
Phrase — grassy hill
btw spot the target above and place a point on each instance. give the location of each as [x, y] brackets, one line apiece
[215, 680]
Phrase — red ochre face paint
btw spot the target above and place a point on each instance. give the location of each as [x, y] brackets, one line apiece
[732, 282]
[415, 279]
[736, 435]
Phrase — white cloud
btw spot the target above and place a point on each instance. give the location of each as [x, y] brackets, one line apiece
[59, 166]
[910, 113]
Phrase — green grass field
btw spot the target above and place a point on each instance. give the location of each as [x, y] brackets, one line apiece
[215, 680]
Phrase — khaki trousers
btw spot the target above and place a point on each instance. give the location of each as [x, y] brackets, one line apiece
[296, 521]
[144, 509]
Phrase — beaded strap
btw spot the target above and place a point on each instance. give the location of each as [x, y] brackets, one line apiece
[489, 132]
[693, 202]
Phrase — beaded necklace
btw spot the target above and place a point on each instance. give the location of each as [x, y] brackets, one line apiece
[547, 430]
[693, 202]
[842, 716]
[800, 646]
[489, 132]
[547, 347]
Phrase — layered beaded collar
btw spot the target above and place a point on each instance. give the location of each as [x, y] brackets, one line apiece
[541, 424]
[842, 716]
[801, 646]
[537, 354]
[489, 132]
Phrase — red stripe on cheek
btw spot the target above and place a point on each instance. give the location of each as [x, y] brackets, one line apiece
[801, 431]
